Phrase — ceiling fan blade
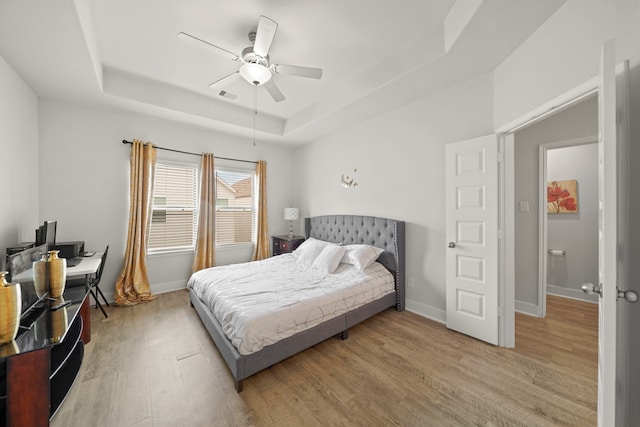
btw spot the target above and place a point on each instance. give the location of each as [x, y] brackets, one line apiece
[295, 70]
[199, 42]
[225, 81]
[274, 91]
[264, 35]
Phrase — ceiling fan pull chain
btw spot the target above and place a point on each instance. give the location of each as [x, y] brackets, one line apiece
[255, 111]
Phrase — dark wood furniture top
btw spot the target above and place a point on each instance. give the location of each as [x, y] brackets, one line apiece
[285, 244]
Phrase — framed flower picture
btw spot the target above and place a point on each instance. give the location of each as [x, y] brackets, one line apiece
[562, 196]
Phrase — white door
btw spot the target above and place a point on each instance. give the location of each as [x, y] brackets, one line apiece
[608, 242]
[472, 237]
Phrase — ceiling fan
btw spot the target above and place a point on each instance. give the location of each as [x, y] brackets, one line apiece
[256, 68]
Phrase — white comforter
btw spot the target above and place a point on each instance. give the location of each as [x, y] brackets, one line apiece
[260, 303]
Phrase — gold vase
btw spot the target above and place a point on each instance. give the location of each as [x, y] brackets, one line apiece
[57, 274]
[10, 309]
[40, 275]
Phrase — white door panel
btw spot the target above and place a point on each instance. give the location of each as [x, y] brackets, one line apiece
[472, 233]
[612, 378]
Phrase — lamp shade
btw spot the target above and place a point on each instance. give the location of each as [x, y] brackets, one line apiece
[290, 214]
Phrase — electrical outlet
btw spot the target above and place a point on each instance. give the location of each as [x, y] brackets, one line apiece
[411, 283]
[524, 206]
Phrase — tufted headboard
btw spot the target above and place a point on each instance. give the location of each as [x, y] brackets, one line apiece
[384, 233]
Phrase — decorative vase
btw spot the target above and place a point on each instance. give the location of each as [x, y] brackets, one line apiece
[10, 309]
[57, 274]
[40, 276]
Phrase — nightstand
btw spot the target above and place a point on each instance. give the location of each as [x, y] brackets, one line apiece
[284, 244]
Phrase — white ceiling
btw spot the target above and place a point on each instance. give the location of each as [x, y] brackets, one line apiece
[375, 54]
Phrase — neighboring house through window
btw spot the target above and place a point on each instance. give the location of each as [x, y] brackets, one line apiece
[235, 207]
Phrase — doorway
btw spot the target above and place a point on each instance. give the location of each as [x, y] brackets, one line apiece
[614, 248]
[569, 220]
[562, 148]
[576, 125]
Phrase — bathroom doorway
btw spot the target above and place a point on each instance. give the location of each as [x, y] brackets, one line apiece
[570, 223]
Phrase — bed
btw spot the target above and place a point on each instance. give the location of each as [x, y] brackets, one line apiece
[383, 233]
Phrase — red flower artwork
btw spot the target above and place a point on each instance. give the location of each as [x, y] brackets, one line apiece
[562, 197]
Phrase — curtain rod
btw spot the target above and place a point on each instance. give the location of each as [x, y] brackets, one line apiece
[124, 141]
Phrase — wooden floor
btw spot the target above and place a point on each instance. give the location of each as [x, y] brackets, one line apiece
[154, 364]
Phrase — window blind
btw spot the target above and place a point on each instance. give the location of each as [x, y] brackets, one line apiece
[175, 208]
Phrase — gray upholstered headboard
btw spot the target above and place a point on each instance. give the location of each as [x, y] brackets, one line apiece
[384, 233]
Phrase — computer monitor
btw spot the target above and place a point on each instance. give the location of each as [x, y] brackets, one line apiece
[50, 234]
[46, 234]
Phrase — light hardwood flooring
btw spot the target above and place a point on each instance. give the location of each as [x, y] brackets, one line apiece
[155, 365]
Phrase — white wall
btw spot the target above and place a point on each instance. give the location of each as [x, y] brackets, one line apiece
[575, 233]
[562, 54]
[400, 161]
[579, 121]
[19, 148]
[85, 181]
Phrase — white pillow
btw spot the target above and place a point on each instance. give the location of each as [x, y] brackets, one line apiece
[329, 258]
[309, 250]
[361, 255]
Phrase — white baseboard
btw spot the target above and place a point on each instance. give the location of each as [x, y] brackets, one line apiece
[156, 289]
[427, 311]
[571, 293]
[526, 308]
[162, 288]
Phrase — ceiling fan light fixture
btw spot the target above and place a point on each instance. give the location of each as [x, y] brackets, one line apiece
[256, 68]
[255, 74]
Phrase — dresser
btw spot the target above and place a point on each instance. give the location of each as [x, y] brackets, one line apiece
[39, 367]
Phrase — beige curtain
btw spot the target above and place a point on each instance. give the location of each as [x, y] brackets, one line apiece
[262, 245]
[206, 243]
[132, 287]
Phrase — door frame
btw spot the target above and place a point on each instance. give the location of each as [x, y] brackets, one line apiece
[543, 247]
[506, 259]
[506, 176]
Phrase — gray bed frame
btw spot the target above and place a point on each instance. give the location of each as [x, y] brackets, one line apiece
[384, 233]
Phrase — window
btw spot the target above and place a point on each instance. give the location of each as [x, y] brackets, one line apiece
[174, 217]
[235, 207]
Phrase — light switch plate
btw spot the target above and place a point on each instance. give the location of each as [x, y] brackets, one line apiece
[524, 206]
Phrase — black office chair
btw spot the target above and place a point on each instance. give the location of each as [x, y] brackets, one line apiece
[95, 282]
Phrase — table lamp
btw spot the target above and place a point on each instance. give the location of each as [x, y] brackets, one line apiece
[291, 214]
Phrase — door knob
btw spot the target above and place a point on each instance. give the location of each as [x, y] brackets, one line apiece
[451, 245]
[629, 296]
[590, 289]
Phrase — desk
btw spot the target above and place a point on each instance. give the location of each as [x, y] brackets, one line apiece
[86, 267]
